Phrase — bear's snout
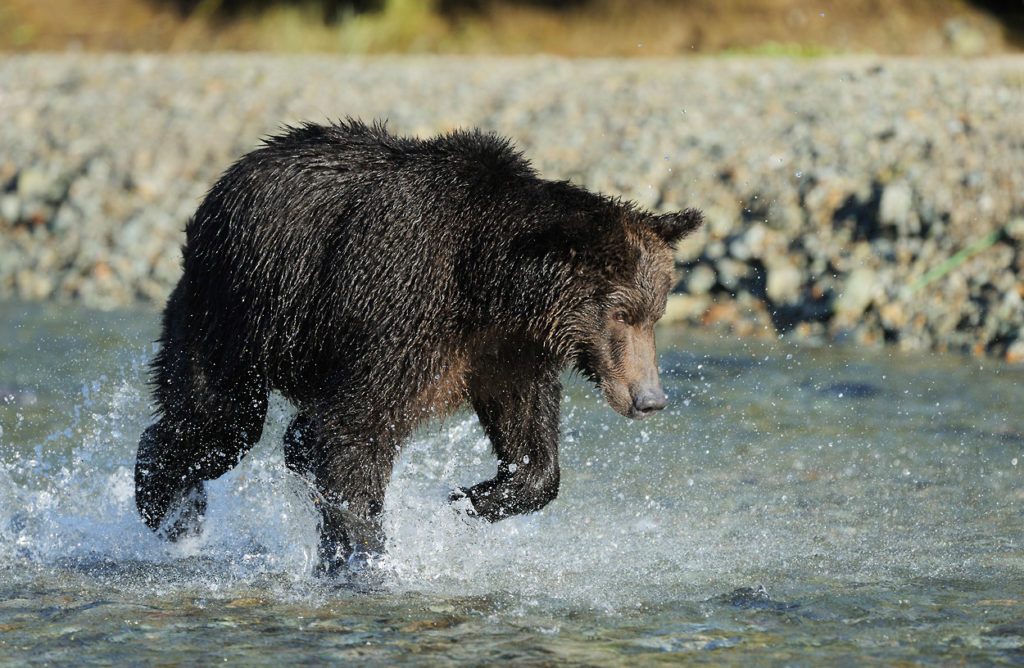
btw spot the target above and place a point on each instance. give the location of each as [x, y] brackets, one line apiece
[648, 402]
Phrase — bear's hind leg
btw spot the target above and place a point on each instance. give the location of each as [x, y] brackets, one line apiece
[206, 425]
[350, 478]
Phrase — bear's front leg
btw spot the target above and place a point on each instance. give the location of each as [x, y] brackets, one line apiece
[519, 410]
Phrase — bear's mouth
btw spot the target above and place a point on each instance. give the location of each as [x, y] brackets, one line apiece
[634, 403]
[619, 400]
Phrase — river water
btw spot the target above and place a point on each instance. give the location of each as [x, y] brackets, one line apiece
[794, 505]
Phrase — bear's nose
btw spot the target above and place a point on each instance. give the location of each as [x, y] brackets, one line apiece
[649, 401]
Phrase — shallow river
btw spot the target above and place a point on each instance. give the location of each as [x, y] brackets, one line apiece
[793, 505]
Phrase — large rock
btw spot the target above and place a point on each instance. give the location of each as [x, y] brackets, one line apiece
[783, 282]
[860, 289]
[896, 204]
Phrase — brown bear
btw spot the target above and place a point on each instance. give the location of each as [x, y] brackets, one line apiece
[377, 282]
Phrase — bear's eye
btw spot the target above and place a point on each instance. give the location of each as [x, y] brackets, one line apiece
[621, 316]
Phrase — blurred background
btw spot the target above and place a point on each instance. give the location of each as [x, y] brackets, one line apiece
[560, 27]
[852, 193]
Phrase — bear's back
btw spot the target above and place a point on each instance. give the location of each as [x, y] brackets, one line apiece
[354, 180]
[391, 235]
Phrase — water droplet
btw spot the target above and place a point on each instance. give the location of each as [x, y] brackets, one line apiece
[798, 174]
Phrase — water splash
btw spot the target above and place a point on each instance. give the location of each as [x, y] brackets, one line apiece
[71, 504]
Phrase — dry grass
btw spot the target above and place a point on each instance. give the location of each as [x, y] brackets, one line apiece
[601, 28]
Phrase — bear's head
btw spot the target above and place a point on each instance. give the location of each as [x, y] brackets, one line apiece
[633, 264]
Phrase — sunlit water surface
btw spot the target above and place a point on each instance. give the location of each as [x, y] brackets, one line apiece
[793, 505]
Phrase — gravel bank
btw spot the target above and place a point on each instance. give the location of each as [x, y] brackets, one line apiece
[841, 194]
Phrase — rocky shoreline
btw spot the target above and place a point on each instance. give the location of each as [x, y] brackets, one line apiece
[868, 199]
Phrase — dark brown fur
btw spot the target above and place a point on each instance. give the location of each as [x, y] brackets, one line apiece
[377, 282]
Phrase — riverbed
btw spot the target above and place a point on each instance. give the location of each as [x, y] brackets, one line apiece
[849, 197]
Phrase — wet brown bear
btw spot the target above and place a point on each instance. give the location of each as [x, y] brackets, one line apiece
[377, 282]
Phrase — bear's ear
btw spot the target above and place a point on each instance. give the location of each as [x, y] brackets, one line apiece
[674, 226]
